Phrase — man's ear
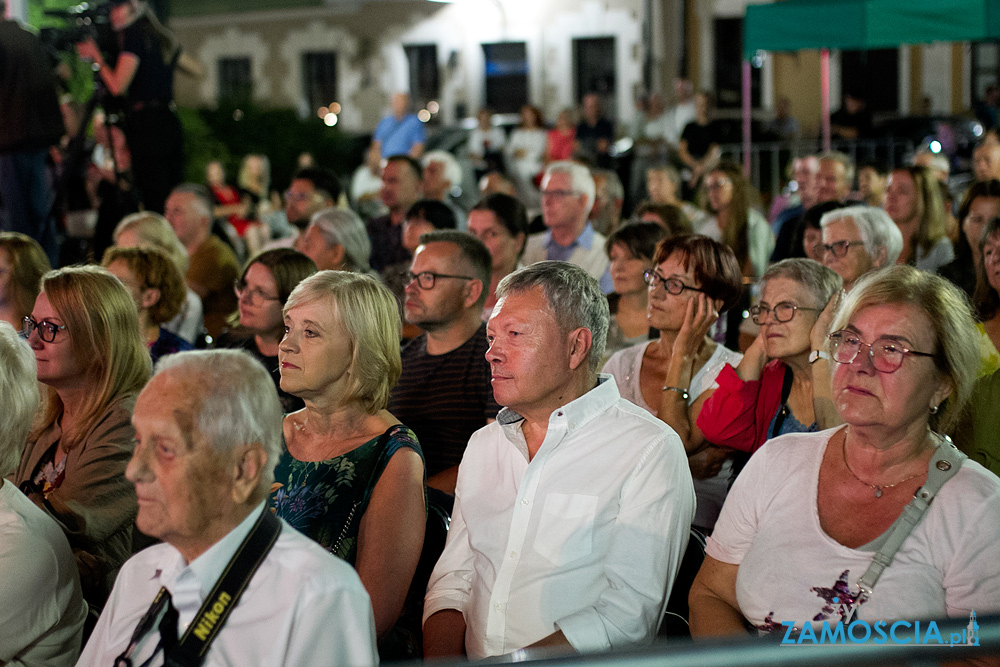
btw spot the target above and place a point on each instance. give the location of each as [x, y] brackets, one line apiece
[473, 290]
[581, 341]
[881, 255]
[247, 470]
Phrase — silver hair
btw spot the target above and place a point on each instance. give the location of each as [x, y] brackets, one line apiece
[343, 227]
[574, 297]
[875, 227]
[612, 183]
[842, 158]
[19, 389]
[822, 282]
[579, 178]
[202, 197]
[452, 170]
[238, 403]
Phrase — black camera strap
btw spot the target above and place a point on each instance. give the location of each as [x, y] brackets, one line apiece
[191, 649]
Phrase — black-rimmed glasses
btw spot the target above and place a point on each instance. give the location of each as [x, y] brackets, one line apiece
[783, 312]
[673, 285]
[839, 248]
[886, 354]
[46, 330]
[426, 279]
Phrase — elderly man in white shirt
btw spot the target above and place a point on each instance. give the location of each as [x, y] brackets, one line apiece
[572, 509]
[209, 433]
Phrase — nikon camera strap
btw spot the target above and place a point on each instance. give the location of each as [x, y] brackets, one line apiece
[191, 649]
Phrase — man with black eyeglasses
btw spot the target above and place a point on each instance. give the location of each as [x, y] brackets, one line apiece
[444, 393]
[859, 239]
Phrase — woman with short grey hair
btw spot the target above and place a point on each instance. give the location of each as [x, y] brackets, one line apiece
[859, 239]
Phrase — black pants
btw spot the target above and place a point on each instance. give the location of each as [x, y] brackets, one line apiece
[156, 141]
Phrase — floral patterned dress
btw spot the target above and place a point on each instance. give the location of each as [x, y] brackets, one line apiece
[325, 500]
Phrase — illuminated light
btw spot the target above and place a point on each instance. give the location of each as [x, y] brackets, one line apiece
[758, 59]
[935, 146]
[330, 119]
[238, 115]
[423, 115]
[322, 112]
[433, 106]
[977, 130]
[335, 107]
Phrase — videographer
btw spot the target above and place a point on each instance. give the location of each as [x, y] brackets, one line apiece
[144, 75]
[30, 122]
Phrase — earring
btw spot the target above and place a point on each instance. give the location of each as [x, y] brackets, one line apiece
[934, 409]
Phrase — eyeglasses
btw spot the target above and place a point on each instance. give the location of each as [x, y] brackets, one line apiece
[886, 354]
[558, 193]
[783, 312]
[717, 184]
[426, 279]
[298, 196]
[840, 248]
[46, 330]
[673, 285]
[254, 295]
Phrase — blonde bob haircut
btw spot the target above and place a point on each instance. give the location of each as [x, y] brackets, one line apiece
[152, 229]
[20, 396]
[956, 342]
[103, 326]
[368, 312]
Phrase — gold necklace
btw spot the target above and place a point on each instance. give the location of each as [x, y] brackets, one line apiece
[878, 488]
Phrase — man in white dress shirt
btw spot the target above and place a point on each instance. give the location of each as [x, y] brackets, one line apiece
[208, 427]
[572, 509]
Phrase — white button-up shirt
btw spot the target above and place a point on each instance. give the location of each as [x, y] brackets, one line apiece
[585, 538]
[303, 606]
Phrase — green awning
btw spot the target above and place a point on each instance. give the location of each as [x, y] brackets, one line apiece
[866, 24]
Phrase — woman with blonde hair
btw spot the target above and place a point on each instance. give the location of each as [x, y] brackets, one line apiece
[22, 265]
[84, 331]
[157, 288]
[152, 229]
[351, 476]
[913, 201]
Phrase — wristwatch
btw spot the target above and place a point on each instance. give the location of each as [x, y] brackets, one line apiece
[816, 355]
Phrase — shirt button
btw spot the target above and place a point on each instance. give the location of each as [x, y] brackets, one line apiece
[498, 606]
[524, 501]
[513, 554]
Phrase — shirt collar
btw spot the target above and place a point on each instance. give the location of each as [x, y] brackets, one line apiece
[576, 413]
[585, 240]
[207, 568]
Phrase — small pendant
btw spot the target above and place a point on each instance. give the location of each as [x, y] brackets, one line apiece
[878, 491]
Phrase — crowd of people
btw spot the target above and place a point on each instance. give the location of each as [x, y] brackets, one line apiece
[241, 430]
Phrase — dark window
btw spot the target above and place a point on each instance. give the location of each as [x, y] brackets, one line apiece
[729, 66]
[319, 72]
[424, 79]
[235, 81]
[985, 68]
[873, 75]
[594, 64]
[506, 76]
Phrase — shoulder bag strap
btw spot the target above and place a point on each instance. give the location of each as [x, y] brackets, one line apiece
[945, 463]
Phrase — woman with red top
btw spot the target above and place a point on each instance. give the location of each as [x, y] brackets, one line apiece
[561, 137]
[228, 202]
[782, 385]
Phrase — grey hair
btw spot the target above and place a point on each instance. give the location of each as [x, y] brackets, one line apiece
[19, 389]
[237, 405]
[842, 158]
[574, 297]
[822, 282]
[579, 178]
[202, 196]
[452, 170]
[343, 227]
[875, 227]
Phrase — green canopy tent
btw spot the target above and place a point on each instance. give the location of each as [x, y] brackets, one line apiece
[794, 25]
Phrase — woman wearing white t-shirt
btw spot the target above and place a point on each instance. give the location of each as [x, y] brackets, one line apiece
[806, 516]
[694, 279]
